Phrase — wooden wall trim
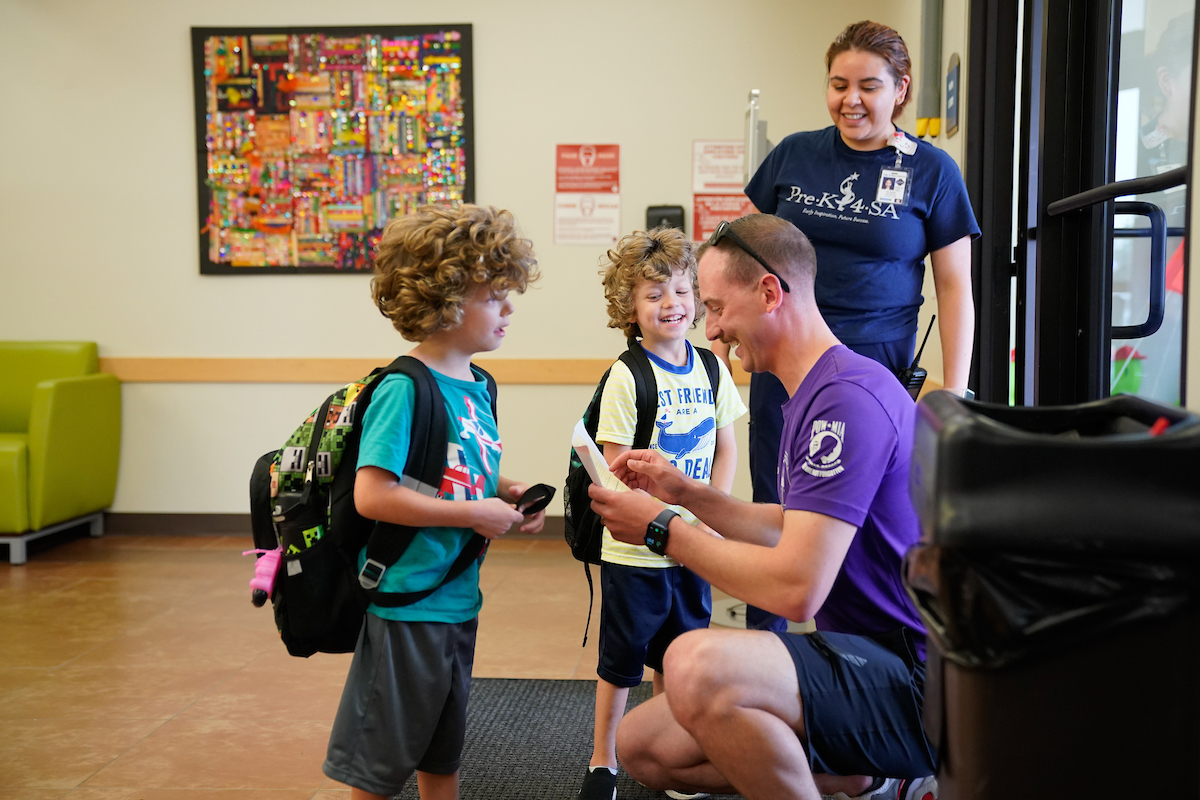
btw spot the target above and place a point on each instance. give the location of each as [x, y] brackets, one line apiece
[152, 524]
[513, 371]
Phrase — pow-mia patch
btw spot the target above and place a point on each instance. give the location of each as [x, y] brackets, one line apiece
[824, 459]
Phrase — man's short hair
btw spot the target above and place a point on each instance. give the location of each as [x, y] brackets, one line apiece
[427, 262]
[780, 243]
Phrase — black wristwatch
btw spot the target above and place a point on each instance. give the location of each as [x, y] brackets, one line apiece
[657, 532]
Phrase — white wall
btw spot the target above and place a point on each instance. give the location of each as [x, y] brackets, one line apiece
[98, 209]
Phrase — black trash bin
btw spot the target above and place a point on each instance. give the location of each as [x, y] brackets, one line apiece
[1058, 575]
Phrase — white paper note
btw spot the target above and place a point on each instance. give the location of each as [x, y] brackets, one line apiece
[593, 460]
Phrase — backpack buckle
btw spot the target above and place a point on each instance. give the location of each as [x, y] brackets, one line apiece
[371, 573]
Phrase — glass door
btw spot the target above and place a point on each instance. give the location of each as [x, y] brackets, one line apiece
[1153, 119]
[1102, 145]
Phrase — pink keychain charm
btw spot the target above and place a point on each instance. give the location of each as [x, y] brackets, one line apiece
[265, 570]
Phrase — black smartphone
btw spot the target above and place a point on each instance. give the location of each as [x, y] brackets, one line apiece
[535, 499]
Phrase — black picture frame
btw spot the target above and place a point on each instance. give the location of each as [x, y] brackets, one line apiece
[370, 145]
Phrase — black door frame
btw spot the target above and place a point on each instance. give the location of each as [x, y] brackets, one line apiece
[1068, 111]
[1075, 125]
[991, 101]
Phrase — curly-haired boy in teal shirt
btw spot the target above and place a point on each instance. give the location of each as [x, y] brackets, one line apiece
[443, 277]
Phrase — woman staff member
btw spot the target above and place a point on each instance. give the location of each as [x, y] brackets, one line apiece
[874, 203]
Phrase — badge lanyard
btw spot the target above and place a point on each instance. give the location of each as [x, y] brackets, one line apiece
[894, 182]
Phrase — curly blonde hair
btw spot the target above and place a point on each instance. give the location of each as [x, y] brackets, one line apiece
[652, 255]
[428, 262]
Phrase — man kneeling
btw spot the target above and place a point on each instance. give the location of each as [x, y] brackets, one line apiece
[771, 715]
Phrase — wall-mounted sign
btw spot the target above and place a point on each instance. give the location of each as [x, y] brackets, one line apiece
[710, 209]
[587, 194]
[717, 166]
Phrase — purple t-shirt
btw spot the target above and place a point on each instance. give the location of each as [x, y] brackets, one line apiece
[845, 452]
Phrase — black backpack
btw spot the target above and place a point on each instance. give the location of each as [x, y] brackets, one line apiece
[582, 527]
[302, 499]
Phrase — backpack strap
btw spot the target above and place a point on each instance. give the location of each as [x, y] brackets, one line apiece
[492, 390]
[645, 393]
[422, 473]
[709, 359]
[427, 442]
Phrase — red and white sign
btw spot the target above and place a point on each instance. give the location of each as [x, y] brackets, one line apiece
[717, 166]
[587, 168]
[710, 209]
[587, 199]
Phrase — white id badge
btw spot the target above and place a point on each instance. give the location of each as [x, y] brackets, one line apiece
[893, 185]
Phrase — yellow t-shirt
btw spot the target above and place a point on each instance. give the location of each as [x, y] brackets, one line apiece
[685, 430]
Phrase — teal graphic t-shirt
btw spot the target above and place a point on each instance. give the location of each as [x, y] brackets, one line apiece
[472, 473]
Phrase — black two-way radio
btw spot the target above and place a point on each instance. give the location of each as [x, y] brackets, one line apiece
[913, 377]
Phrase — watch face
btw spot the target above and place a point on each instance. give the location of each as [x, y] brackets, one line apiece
[656, 536]
[658, 531]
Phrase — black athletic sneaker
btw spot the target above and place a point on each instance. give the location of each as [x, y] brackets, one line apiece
[599, 784]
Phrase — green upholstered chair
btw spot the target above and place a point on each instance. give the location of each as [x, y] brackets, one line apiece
[60, 439]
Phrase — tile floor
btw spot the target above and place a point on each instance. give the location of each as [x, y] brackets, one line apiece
[136, 668]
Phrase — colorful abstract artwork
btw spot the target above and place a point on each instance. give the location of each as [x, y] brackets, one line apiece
[310, 139]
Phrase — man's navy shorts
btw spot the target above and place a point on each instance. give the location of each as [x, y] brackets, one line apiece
[643, 610]
[862, 698]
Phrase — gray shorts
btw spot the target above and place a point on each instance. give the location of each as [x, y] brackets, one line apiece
[404, 707]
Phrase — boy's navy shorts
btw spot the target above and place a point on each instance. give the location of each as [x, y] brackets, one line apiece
[862, 699]
[404, 707]
[643, 610]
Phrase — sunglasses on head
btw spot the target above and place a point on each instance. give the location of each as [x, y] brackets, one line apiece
[725, 231]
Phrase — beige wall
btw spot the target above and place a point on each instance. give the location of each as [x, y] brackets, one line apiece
[98, 209]
[955, 36]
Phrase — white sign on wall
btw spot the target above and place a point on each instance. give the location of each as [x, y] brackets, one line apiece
[717, 166]
[587, 218]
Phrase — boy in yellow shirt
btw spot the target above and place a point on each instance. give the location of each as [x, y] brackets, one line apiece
[647, 598]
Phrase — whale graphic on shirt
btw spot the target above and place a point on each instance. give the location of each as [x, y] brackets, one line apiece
[678, 445]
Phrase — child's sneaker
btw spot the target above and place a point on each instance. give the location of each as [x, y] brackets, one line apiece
[896, 789]
[600, 783]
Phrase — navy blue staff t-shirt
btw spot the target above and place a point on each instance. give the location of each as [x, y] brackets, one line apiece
[870, 254]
